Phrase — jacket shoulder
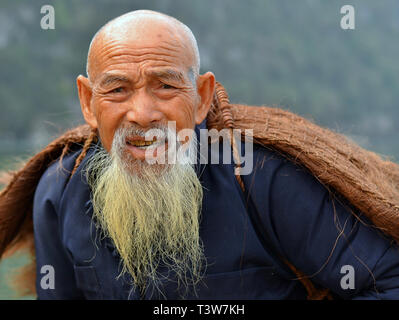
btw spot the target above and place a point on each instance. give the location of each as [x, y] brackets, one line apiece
[54, 180]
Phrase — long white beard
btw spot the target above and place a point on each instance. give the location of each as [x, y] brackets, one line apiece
[151, 212]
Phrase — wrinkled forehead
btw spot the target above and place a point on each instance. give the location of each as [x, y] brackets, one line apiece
[140, 39]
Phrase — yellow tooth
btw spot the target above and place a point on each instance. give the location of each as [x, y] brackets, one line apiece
[140, 143]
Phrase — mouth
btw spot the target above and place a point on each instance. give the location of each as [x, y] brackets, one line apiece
[139, 147]
[140, 143]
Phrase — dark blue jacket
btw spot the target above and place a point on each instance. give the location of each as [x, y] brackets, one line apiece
[285, 214]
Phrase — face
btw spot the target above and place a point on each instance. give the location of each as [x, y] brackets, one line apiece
[143, 79]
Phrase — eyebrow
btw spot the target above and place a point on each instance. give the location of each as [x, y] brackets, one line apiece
[167, 74]
[108, 79]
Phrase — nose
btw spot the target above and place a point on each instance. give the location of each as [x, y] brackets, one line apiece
[143, 110]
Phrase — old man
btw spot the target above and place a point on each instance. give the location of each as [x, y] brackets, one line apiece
[123, 227]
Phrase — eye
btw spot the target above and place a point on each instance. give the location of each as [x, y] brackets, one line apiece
[117, 90]
[167, 86]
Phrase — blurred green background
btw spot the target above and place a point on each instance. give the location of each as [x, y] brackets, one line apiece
[283, 53]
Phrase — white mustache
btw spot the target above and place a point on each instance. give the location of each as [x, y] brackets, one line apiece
[159, 132]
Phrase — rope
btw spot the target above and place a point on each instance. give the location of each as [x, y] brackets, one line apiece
[86, 146]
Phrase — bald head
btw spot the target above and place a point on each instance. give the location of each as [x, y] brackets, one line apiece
[135, 28]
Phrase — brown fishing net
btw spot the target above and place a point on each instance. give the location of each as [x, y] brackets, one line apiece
[368, 182]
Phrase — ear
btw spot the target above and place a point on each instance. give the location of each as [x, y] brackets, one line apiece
[205, 89]
[85, 94]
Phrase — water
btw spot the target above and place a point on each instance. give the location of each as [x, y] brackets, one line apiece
[7, 269]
